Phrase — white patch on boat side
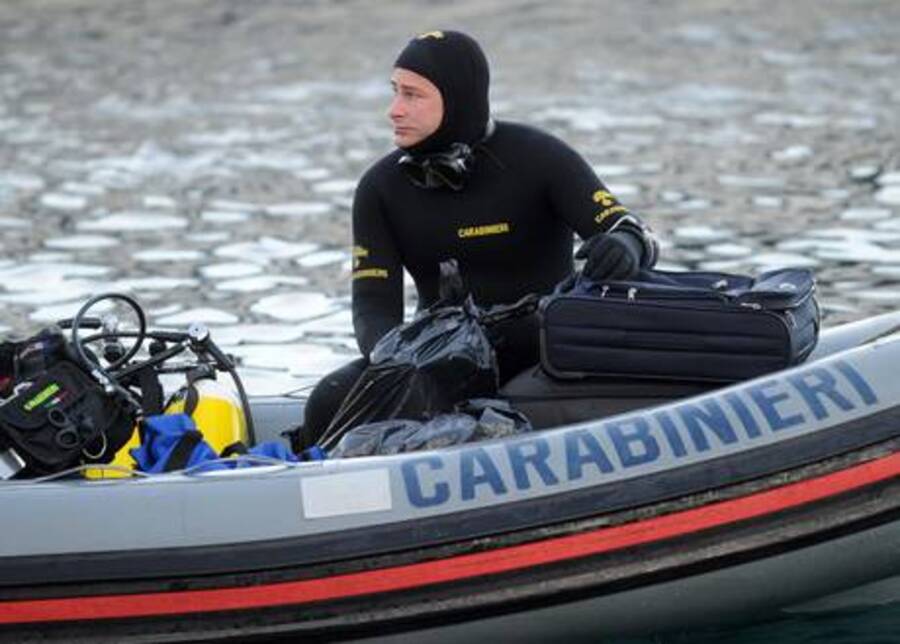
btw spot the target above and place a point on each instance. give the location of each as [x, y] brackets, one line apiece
[346, 493]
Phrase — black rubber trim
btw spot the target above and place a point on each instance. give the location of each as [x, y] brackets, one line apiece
[461, 527]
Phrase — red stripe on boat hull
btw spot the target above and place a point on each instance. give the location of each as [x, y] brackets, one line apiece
[457, 568]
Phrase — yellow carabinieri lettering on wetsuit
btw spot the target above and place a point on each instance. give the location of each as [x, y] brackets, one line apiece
[380, 273]
[610, 205]
[482, 231]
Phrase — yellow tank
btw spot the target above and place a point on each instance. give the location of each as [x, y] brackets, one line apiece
[122, 459]
[217, 414]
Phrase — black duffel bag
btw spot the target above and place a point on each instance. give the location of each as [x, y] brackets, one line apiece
[680, 325]
[58, 416]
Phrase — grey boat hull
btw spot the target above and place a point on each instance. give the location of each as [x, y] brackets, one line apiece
[776, 493]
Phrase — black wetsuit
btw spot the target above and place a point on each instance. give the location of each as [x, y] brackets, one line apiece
[510, 228]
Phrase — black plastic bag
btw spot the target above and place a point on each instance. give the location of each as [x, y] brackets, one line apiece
[421, 369]
[425, 367]
[475, 420]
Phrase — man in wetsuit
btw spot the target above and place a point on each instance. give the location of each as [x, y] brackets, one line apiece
[501, 198]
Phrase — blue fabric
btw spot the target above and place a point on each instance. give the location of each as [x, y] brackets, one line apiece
[161, 434]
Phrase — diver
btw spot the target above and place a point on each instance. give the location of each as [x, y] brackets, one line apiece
[501, 198]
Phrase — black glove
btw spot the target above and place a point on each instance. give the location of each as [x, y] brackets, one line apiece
[611, 256]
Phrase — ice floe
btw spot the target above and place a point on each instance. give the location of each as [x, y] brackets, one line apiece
[206, 315]
[793, 154]
[259, 283]
[87, 189]
[22, 181]
[61, 201]
[224, 216]
[138, 284]
[265, 249]
[889, 179]
[298, 209]
[889, 195]
[335, 186]
[81, 242]
[322, 258]
[166, 255]
[298, 359]
[295, 306]
[134, 222]
[257, 334]
[865, 214]
[737, 181]
[700, 235]
[230, 270]
[159, 201]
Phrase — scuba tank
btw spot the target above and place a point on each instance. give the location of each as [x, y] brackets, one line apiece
[216, 411]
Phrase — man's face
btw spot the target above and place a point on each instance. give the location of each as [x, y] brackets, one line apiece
[417, 109]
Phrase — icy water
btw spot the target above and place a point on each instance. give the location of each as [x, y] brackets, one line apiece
[203, 155]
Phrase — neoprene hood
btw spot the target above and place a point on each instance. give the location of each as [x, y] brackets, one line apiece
[457, 66]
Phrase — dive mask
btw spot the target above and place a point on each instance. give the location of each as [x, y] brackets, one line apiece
[439, 170]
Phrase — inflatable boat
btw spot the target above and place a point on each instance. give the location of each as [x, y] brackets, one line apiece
[675, 507]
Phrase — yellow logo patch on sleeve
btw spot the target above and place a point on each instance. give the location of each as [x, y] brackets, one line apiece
[369, 273]
[604, 198]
